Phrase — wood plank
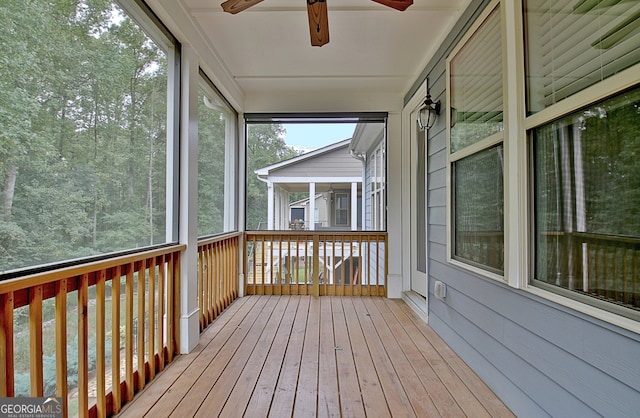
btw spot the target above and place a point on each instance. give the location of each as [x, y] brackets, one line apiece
[202, 374]
[393, 393]
[260, 401]
[284, 396]
[482, 392]
[438, 395]
[307, 391]
[209, 375]
[368, 382]
[249, 356]
[279, 326]
[351, 403]
[362, 356]
[464, 397]
[174, 380]
[328, 391]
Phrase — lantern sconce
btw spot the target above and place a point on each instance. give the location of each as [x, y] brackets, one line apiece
[429, 112]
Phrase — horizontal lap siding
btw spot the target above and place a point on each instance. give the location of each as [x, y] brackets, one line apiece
[540, 358]
[338, 163]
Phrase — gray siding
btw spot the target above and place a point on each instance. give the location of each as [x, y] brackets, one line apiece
[337, 163]
[542, 359]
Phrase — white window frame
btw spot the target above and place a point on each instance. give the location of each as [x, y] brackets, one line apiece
[484, 144]
[611, 86]
[229, 215]
[378, 188]
[518, 195]
[519, 213]
[347, 209]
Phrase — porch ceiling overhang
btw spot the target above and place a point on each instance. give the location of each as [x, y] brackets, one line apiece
[266, 64]
[320, 187]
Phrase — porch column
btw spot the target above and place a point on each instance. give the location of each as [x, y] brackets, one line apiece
[270, 209]
[312, 207]
[285, 212]
[188, 213]
[277, 208]
[354, 206]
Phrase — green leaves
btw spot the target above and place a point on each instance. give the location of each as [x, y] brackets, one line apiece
[83, 94]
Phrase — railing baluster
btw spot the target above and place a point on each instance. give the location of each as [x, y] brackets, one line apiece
[129, 294]
[175, 274]
[62, 389]
[161, 312]
[35, 341]
[202, 266]
[217, 254]
[173, 311]
[151, 338]
[6, 345]
[315, 278]
[140, 329]
[101, 402]
[55, 286]
[115, 339]
[83, 345]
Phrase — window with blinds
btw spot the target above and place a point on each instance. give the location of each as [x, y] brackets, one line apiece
[476, 86]
[476, 151]
[573, 44]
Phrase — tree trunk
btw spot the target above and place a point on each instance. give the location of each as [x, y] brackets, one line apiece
[9, 190]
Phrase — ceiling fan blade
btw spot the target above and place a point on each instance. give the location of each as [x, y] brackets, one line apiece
[396, 4]
[318, 22]
[236, 6]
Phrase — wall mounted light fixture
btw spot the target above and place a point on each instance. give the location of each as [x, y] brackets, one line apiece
[429, 112]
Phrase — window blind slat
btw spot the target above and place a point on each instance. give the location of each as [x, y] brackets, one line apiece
[572, 45]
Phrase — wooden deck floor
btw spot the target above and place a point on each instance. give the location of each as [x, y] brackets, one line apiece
[328, 357]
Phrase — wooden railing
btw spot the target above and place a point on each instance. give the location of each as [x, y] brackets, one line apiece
[486, 248]
[316, 263]
[218, 271]
[604, 266]
[93, 334]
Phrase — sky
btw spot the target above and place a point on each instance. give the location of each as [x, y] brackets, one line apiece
[308, 137]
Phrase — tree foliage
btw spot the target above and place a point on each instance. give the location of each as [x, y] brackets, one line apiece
[82, 132]
[265, 146]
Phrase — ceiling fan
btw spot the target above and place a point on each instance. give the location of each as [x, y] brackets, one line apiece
[317, 11]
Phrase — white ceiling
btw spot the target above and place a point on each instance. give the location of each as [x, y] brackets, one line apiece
[374, 55]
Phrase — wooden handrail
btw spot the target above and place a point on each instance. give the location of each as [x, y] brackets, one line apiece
[316, 262]
[157, 273]
[218, 272]
[602, 266]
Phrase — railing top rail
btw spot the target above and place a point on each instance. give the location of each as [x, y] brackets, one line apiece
[218, 238]
[308, 233]
[36, 279]
[596, 237]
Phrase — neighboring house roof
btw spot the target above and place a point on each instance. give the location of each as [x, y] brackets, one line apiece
[366, 137]
[332, 161]
[304, 201]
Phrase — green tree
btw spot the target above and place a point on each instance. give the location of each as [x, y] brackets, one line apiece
[82, 132]
[265, 146]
